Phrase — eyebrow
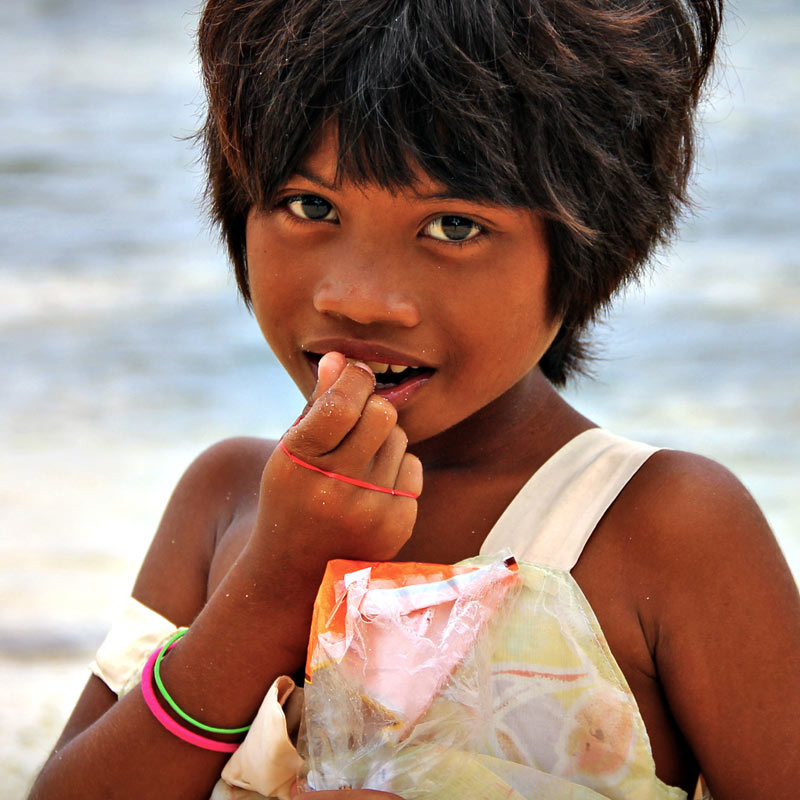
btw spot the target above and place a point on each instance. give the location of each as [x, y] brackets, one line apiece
[310, 175]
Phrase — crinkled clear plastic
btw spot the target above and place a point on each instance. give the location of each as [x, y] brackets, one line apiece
[398, 684]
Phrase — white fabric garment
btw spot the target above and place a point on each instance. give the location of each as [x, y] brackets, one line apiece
[554, 514]
[132, 638]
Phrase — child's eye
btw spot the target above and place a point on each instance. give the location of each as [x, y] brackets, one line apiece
[452, 229]
[310, 206]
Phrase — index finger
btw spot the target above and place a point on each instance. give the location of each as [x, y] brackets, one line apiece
[332, 414]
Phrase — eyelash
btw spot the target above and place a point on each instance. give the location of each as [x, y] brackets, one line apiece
[480, 233]
[284, 202]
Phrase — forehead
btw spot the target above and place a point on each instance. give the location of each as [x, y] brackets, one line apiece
[323, 164]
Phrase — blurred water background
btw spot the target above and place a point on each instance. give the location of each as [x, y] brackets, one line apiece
[125, 350]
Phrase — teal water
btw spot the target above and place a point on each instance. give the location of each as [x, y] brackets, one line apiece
[126, 352]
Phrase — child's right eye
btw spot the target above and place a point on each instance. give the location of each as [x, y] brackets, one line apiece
[311, 207]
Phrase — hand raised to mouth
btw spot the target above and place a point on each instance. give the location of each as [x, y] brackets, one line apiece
[309, 518]
[396, 378]
[328, 376]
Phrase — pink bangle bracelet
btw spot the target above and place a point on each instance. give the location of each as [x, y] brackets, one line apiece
[168, 722]
[345, 478]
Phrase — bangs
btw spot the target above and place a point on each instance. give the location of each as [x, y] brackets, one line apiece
[400, 92]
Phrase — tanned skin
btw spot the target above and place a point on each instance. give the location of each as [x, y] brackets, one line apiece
[683, 573]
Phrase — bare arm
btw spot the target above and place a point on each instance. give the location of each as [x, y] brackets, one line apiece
[723, 613]
[255, 625]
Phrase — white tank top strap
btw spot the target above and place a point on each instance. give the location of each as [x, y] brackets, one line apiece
[553, 515]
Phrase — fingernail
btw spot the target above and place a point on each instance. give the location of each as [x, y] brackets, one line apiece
[328, 356]
[362, 365]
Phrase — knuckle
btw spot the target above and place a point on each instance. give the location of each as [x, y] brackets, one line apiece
[299, 444]
[398, 439]
[412, 464]
[411, 474]
[372, 504]
[329, 420]
[310, 440]
[338, 404]
[380, 408]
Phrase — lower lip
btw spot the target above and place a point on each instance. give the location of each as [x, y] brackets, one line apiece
[401, 394]
[398, 395]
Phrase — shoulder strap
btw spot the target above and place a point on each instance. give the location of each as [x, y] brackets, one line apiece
[553, 515]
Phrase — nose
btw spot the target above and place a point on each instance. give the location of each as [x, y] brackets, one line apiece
[365, 294]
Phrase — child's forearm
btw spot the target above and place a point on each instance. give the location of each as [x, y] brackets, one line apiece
[126, 754]
[219, 672]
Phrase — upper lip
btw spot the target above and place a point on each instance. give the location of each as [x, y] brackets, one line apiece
[363, 351]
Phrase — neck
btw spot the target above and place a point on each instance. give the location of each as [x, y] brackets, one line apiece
[516, 432]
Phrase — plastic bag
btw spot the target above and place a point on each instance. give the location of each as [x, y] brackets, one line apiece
[397, 678]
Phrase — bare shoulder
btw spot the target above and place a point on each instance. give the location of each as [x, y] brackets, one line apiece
[721, 612]
[695, 514]
[698, 540]
[212, 491]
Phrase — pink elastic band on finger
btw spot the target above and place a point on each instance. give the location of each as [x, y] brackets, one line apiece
[170, 724]
[344, 478]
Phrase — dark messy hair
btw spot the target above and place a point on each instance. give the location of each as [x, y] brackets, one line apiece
[580, 109]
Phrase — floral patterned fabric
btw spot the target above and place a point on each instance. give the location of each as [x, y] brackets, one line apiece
[564, 716]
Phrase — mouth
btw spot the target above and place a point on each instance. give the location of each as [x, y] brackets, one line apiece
[392, 380]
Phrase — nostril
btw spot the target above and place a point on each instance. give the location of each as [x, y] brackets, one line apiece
[365, 304]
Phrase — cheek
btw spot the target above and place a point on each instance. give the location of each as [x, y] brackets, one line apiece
[270, 271]
[511, 317]
[508, 339]
[274, 297]
[267, 298]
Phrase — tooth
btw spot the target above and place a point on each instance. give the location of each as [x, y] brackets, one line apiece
[377, 367]
[398, 367]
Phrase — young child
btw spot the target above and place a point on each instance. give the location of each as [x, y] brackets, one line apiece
[426, 204]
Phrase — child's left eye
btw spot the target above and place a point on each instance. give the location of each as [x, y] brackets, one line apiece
[311, 206]
[452, 228]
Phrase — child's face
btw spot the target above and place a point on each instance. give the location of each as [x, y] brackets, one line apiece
[453, 287]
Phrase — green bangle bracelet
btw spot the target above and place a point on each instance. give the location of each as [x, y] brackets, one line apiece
[173, 705]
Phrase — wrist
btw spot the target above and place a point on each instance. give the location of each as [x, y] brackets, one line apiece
[249, 632]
